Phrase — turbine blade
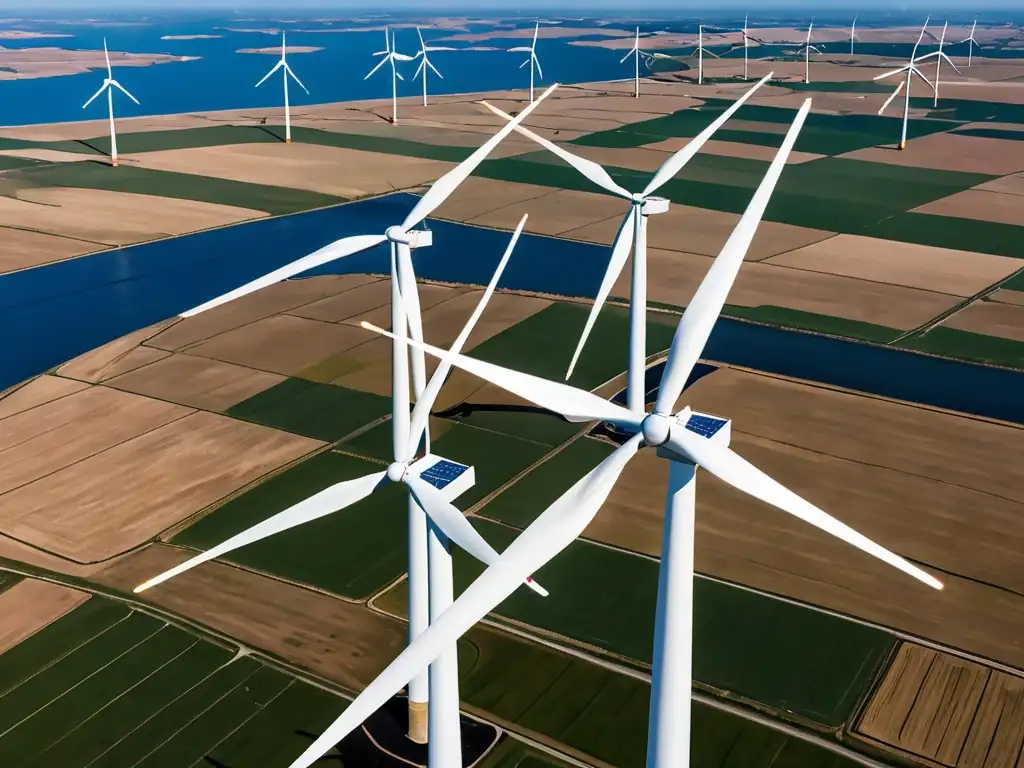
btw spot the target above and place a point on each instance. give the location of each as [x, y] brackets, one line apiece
[339, 249]
[434, 69]
[536, 61]
[631, 52]
[574, 404]
[380, 64]
[524, 63]
[444, 186]
[675, 163]
[418, 70]
[705, 307]
[401, 57]
[730, 467]
[557, 527]
[411, 301]
[620, 252]
[892, 72]
[423, 47]
[106, 55]
[399, 75]
[272, 71]
[588, 168]
[892, 96]
[295, 78]
[124, 91]
[456, 527]
[424, 403]
[920, 74]
[93, 97]
[518, 49]
[950, 62]
[329, 500]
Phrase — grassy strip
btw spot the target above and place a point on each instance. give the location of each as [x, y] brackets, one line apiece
[965, 345]
[992, 133]
[812, 321]
[951, 232]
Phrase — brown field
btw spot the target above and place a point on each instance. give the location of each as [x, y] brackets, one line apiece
[115, 500]
[281, 344]
[371, 301]
[36, 392]
[735, 149]
[945, 503]
[196, 382]
[1009, 185]
[476, 197]
[990, 318]
[24, 248]
[942, 270]
[268, 301]
[117, 357]
[100, 217]
[695, 230]
[301, 166]
[30, 605]
[346, 643]
[950, 152]
[559, 212]
[1005, 296]
[998, 207]
[52, 62]
[947, 710]
[49, 155]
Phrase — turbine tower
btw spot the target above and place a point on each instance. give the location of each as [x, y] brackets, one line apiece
[426, 63]
[283, 64]
[391, 56]
[853, 32]
[109, 84]
[635, 50]
[445, 521]
[971, 42]
[939, 56]
[746, 45]
[533, 61]
[807, 48]
[633, 232]
[687, 440]
[911, 69]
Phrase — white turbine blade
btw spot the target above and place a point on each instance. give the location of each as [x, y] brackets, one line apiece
[536, 62]
[401, 57]
[730, 467]
[272, 71]
[444, 186]
[339, 249]
[675, 163]
[124, 91]
[588, 168]
[525, 63]
[411, 302]
[950, 62]
[631, 52]
[711, 53]
[329, 500]
[423, 46]
[295, 78]
[557, 527]
[703, 310]
[892, 96]
[431, 48]
[892, 72]
[813, 48]
[620, 252]
[518, 49]
[380, 64]
[399, 75]
[536, 29]
[920, 74]
[106, 55]
[381, 53]
[93, 97]
[421, 413]
[574, 404]
[418, 70]
[456, 527]
[433, 68]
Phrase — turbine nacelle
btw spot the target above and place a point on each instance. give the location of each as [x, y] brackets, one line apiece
[414, 238]
[657, 429]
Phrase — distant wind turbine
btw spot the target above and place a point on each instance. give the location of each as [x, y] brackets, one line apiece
[746, 45]
[807, 48]
[391, 55]
[426, 64]
[971, 42]
[853, 33]
[109, 84]
[911, 69]
[635, 50]
[939, 56]
[283, 64]
[533, 61]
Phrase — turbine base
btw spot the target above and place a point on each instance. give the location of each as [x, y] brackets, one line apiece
[288, 140]
[418, 721]
[902, 145]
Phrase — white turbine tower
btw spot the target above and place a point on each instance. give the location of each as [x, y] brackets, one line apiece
[109, 83]
[807, 48]
[911, 69]
[635, 51]
[700, 50]
[633, 232]
[533, 61]
[746, 45]
[426, 63]
[853, 32]
[971, 42]
[391, 56]
[687, 440]
[939, 56]
[283, 64]
[406, 436]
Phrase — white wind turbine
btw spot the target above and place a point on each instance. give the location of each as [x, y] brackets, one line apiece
[283, 64]
[911, 69]
[807, 48]
[699, 51]
[533, 61]
[635, 50]
[853, 32]
[424, 542]
[687, 440]
[939, 56]
[425, 64]
[391, 56]
[109, 84]
[971, 42]
[633, 232]
[746, 45]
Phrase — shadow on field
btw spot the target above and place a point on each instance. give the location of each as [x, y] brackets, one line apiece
[465, 410]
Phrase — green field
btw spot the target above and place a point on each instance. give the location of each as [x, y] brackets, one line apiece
[185, 186]
[992, 133]
[951, 232]
[964, 345]
[971, 111]
[812, 321]
[105, 686]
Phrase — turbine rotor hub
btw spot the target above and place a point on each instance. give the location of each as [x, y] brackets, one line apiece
[397, 235]
[396, 471]
[656, 429]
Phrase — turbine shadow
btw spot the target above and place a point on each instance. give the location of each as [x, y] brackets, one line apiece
[267, 130]
[465, 410]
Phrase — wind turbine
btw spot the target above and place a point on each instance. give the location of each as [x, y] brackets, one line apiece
[633, 232]
[939, 56]
[807, 48]
[635, 50]
[406, 436]
[109, 83]
[533, 61]
[853, 32]
[746, 45]
[700, 50]
[911, 69]
[687, 440]
[425, 64]
[283, 64]
[971, 42]
[391, 55]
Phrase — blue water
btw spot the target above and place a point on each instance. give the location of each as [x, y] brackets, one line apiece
[59, 311]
